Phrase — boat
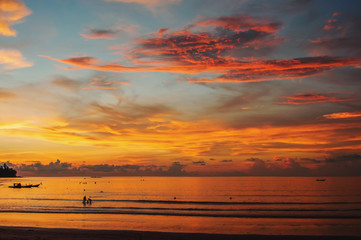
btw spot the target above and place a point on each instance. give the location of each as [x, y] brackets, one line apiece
[321, 179]
[19, 185]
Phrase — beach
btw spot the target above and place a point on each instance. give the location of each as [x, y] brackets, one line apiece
[27, 233]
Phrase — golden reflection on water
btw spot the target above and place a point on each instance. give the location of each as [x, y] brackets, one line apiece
[169, 196]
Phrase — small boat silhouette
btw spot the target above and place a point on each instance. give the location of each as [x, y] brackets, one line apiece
[321, 179]
[19, 185]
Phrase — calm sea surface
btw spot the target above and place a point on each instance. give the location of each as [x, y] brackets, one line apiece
[240, 205]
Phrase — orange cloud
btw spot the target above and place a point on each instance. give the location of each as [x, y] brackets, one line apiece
[256, 71]
[11, 12]
[12, 59]
[6, 94]
[234, 71]
[208, 46]
[342, 115]
[91, 63]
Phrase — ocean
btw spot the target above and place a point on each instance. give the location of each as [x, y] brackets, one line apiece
[227, 205]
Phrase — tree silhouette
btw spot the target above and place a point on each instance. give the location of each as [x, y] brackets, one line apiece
[5, 171]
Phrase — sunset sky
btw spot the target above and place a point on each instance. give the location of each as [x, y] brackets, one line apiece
[177, 87]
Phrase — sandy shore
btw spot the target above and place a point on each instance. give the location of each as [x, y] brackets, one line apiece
[27, 233]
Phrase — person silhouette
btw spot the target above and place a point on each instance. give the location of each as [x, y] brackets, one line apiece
[84, 200]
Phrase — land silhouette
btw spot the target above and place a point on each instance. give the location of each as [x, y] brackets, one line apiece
[6, 171]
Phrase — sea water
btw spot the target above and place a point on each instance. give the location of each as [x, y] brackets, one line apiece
[230, 205]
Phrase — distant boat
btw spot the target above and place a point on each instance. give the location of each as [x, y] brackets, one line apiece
[18, 185]
[321, 179]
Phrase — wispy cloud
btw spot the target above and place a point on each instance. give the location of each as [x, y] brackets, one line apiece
[151, 4]
[308, 98]
[6, 94]
[13, 59]
[11, 12]
[99, 34]
[102, 82]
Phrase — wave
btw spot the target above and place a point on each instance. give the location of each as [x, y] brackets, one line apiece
[218, 209]
[190, 202]
[188, 214]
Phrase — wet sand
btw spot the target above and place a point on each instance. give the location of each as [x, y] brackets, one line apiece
[27, 233]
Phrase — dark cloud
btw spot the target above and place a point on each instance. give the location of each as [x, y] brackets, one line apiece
[227, 160]
[202, 163]
[284, 167]
[344, 158]
[312, 160]
[176, 169]
[59, 168]
[99, 34]
[341, 165]
[51, 169]
[252, 159]
[336, 165]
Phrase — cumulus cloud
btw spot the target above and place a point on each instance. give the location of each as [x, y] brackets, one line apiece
[11, 12]
[13, 59]
[281, 167]
[53, 168]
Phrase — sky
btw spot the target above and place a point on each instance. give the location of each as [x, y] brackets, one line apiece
[180, 87]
